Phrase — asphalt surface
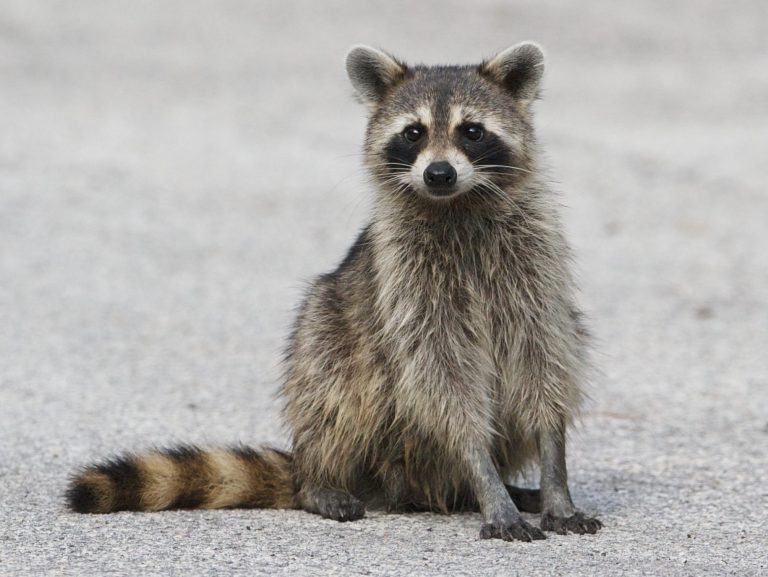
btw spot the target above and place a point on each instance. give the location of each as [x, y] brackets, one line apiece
[172, 173]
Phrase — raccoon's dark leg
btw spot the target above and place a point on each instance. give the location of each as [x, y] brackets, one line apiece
[502, 518]
[331, 503]
[558, 513]
[526, 500]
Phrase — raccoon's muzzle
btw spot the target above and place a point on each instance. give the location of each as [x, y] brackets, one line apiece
[440, 178]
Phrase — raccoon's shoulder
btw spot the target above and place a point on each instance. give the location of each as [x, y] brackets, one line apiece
[332, 298]
[358, 255]
[352, 278]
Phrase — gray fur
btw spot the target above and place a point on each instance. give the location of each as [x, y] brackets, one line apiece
[447, 350]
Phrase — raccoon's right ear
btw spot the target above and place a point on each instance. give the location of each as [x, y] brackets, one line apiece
[518, 69]
[373, 73]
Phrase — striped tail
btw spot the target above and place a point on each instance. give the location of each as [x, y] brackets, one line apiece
[186, 478]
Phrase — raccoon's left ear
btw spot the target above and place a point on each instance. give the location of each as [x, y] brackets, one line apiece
[518, 69]
[373, 73]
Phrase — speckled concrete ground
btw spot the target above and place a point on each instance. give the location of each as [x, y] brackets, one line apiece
[171, 173]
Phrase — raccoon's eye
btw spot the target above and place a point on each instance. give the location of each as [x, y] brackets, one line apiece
[473, 132]
[413, 133]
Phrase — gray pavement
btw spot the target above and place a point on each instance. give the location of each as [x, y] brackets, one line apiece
[172, 173]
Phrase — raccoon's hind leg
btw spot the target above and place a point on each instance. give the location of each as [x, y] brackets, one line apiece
[331, 503]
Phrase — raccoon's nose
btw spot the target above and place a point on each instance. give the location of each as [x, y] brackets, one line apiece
[440, 175]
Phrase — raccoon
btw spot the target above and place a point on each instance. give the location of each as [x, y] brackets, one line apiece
[443, 356]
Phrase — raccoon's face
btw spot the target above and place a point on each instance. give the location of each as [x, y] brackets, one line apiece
[444, 131]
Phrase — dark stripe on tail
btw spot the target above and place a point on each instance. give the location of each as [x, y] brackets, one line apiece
[191, 466]
[113, 485]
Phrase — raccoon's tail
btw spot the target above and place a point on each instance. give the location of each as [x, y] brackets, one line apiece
[186, 478]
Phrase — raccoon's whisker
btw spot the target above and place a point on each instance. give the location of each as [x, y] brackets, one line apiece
[495, 189]
[395, 182]
[395, 170]
[389, 162]
[514, 205]
[401, 167]
[488, 153]
[399, 161]
[483, 167]
[386, 164]
[351, 154]
[486, 187]
[401, 188]
[492, 173]
[490, 187]
[392, 180]
[384, 169]
[391, 173]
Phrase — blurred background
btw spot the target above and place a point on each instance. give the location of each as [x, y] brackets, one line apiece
[172, 173]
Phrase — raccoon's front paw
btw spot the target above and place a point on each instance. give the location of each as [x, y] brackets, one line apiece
[340, 506]
[576, 523]
[516, 530]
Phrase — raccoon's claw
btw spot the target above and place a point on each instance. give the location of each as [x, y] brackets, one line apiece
[518, 530]
[340, 506]
[576, 523]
